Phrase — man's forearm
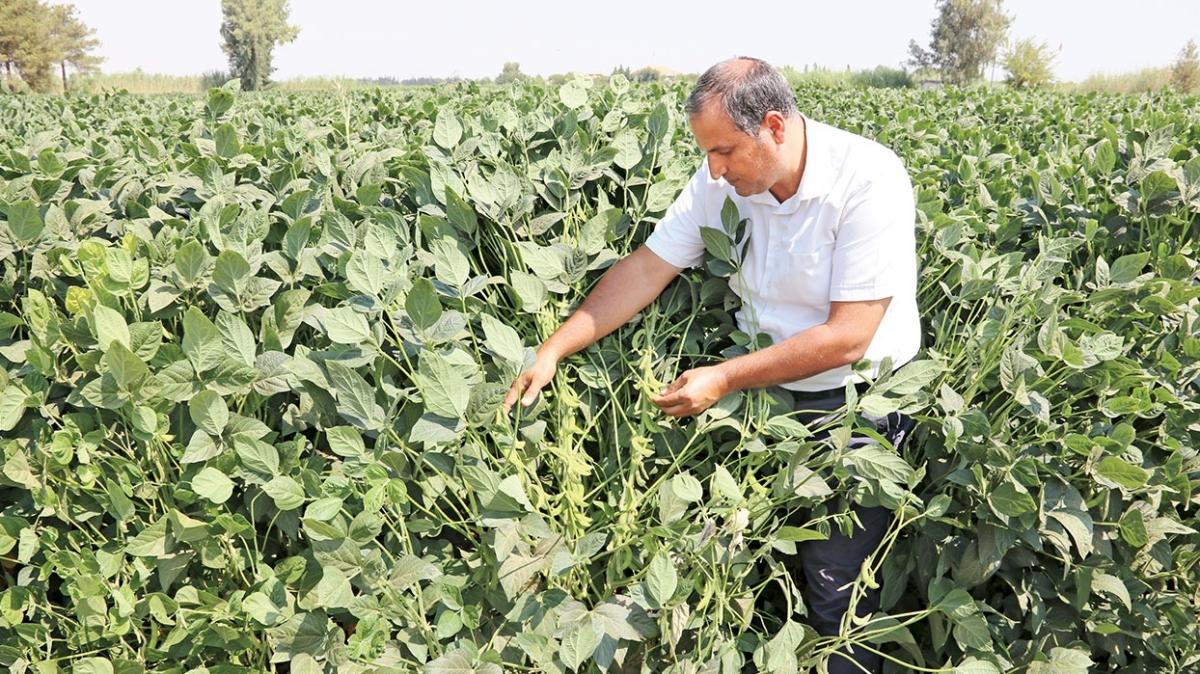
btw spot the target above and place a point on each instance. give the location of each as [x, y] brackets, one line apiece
[622, 292]
[802, 355]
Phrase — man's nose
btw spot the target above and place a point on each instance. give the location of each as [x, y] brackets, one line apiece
[716, 168]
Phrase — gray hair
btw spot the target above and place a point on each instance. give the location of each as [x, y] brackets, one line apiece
[749, 89]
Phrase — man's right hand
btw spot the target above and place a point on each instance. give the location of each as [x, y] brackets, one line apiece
[625, 289]
[528, 383]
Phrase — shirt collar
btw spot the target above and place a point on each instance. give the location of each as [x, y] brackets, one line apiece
[818, 170]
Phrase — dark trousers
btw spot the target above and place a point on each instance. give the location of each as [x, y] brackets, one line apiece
[833, 563]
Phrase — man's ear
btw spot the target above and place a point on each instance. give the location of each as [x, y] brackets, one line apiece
[776, 125]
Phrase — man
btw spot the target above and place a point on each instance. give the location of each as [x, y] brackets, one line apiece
[829, 269]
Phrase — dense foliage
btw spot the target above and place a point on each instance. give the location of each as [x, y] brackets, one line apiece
[254, 351]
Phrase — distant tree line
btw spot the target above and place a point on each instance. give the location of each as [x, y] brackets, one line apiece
[966, 36]
[37, 39]
[40, 43]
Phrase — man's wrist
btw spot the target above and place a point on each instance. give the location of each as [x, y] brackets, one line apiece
[728, 377]
[551, 350]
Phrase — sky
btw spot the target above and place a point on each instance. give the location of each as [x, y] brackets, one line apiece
[473, 38]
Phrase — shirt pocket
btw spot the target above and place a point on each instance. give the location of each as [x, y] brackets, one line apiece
[803, 275]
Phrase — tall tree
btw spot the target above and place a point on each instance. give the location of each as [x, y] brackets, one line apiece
[24, 42]
[511, 72]
[965, 36]
[72, 41]
[251, 30]
[1029, 64]
[1185, 72]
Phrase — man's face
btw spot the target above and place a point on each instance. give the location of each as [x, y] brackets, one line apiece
[750, 164]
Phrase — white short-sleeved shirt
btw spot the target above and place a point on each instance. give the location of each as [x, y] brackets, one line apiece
[849, 233]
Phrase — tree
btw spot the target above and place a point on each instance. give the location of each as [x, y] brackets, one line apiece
[71, 41]
[1185, 72]
[250, 31]
[1029, 64]
[511, 72]
[966, 35]
[35, 36]
[647, 74]
[25, 42]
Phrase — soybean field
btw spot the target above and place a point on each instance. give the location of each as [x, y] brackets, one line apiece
[254, 346]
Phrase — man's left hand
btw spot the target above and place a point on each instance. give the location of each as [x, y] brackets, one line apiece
[693, 392]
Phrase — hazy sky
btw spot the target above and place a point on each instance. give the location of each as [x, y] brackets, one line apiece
[370, 38]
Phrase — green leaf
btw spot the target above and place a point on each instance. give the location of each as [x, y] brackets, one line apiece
[730, 217]
[262, 609]
[973, 665]
[126, 367]
[971, 633]
[1063, 661]
[226, 139]
[151, 541]
[1133, 528]
[781, 649]
[805, 483]
[912, 377]
[723, 483]
[629, 149]
[799, 534]
[572, 94]
[1127, 267]
[192, 262]
[447, 130]
[334, 588]
[24, 221]
[875, 462]
[110, 326]
[119, 265]
[443, 390]
[219, 101]
[346, 441]
[201, 447]
[507, 501]
[687, 487]
[213, 485]
[256, 455]
[460, 213]
[209, 412]
[717, 243]
[1122, 472]
[450, 265]
[231, 272]
[201, 341]
[422, 304]
[365, 273]
[286, 492]
[661, 580]
[1008, 501]
[236, 337]
[503, 340]
[344, 325]
[579, 643]
[92, 665]
[355, 397]
[1106, 158]
[1112, 585]
[12, 407]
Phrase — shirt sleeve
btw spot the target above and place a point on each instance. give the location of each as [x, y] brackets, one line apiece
[676, 237]
[876, 231]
